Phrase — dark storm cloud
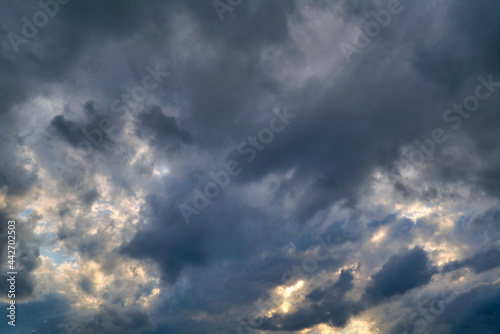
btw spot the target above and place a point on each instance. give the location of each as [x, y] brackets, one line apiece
[476, 311]
[245, 281]
[28, 69]
[162, 131]
[323, 142]
[336, 291]
[329, 307]
[67, 129]
[75, 132]
[237, 33]
[176, 245]
[90, 197]
[479, 262]
[86, 285]
[173, 254]
[18, 181]
[356, 9]
[472, 311]
[78, 27]
[168, 241]
[488, 219]
[467, 25]
[402, 272]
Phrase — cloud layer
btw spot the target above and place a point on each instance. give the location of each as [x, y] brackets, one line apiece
[372, 207]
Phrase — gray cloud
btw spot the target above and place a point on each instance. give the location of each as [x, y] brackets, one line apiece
[402, 272]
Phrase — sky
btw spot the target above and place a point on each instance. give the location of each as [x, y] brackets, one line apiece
[250, 166]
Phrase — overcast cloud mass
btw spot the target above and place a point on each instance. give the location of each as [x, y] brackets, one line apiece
[250, 166]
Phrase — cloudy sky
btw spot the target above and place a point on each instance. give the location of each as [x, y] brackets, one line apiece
[251, 166]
